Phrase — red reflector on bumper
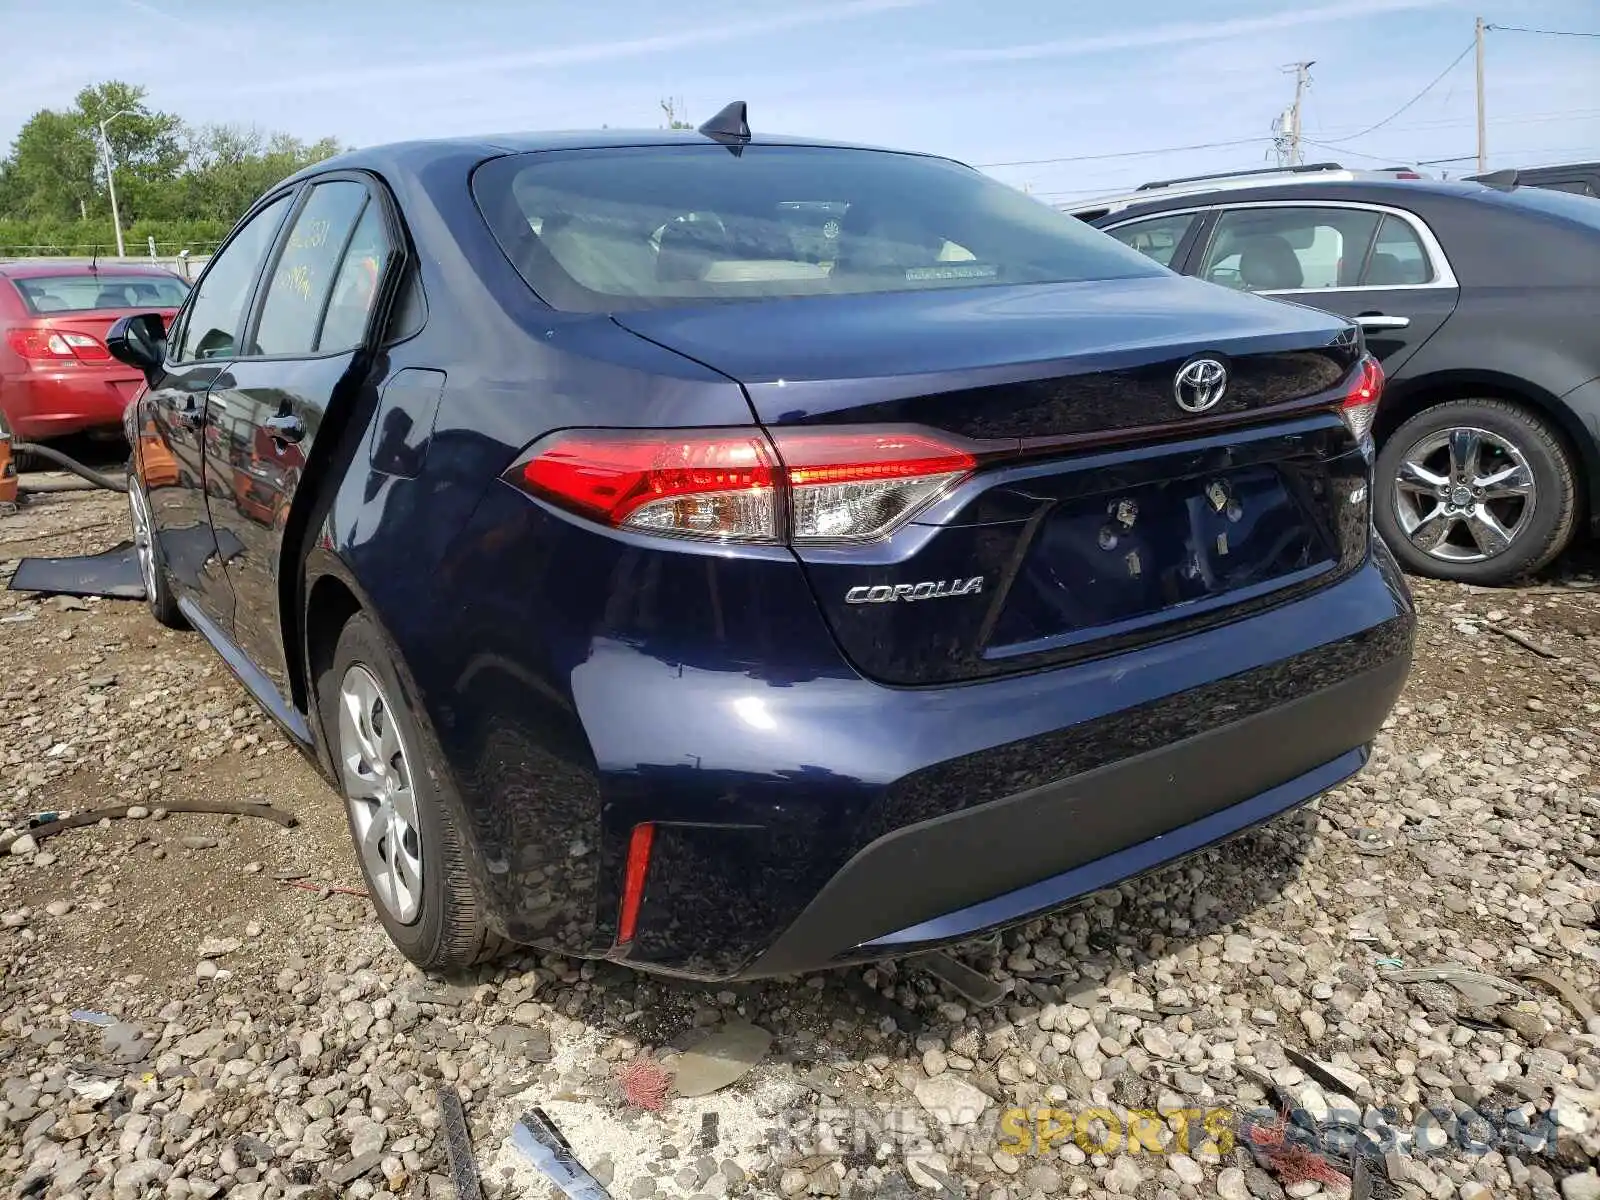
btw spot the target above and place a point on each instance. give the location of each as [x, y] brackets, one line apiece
[638, 867]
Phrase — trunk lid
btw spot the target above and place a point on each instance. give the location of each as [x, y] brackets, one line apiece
[1103, 514]
[1005, 362]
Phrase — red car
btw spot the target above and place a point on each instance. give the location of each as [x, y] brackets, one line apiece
[56, 376]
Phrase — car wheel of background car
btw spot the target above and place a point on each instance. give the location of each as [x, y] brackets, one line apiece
[152, 568]
[410, 852]
[1477, 491]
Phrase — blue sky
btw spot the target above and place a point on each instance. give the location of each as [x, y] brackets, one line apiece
[987, 83]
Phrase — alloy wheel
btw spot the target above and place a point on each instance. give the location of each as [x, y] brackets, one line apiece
[143, 532]
[376, 772]
[1464, 495]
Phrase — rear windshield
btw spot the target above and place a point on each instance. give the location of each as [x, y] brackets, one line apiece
[83, 293]
[651, 227]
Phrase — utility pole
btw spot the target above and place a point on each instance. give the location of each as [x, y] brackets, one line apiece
[111, 178]
[1287, 127]
[1483, 137]
[671, 108]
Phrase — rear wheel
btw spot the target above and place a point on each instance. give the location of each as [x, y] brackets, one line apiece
[152, 567]
[1476, 491]
[410, 851]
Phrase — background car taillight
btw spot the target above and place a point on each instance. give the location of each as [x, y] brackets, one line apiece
[809, 486]
[56, 345]
[1360, 405]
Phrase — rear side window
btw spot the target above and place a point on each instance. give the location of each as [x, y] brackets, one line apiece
[1158, 238]
[355, 287]
[44, 294]
[212, 323]
[1397, 258]
[647, 227]
[302, 280]
[1289, 249]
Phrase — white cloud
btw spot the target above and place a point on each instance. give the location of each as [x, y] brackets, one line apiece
[466, 68]
[1181, 32]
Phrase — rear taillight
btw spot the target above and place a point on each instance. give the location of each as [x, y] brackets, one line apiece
[1360, 405]
[807, 485]
[693, 483]
[55, 345]
[848, 486]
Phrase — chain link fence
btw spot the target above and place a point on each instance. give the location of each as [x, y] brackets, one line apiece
[185, 258]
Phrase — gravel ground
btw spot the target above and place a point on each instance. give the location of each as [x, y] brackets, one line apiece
[258, 1038]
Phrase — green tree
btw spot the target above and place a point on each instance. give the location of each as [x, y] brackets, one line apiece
[169, 176]
[52, 167]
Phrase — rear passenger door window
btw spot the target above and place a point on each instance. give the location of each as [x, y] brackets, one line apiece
[1398, 257]
[1289, 248]
[355, 287]
[1159, 237]
[301, 283]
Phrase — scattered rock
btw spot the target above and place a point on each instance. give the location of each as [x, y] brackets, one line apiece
[951, 1099]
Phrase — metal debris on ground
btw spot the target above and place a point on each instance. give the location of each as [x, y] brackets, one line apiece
[1523, 640]
[458, 1146]
[45, 829]
[1565, 990]
[113, 574]
[710, 1132]
[1366, 840]
[538, 1140]
[1331, 1078]
[1477, 987]
[308, 885]
[974, 986]
[90, 1017]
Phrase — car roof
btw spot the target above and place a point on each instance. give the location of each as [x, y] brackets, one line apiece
[1397, 192]
[388, 155]
[55, 268]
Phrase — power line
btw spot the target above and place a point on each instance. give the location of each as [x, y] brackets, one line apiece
[1546, 32]
[1459, 123]
[1041, 162]
[1438, 79]
[1393, 158]
[1383, 158]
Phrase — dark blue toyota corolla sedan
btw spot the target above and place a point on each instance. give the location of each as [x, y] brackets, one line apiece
[733, 555]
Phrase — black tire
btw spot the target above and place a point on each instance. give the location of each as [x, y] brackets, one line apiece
[1539, 535]
[158, 583]
[448, 932]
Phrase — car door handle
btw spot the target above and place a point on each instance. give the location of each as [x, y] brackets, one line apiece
[285, 427]
[1381, 321]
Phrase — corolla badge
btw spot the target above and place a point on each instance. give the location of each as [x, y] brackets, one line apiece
[932, 589]
[1200, 385]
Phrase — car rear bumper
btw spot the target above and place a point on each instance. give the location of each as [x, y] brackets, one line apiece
[1265, 740]
[1017, 858]
[45, 404]
[805, 816]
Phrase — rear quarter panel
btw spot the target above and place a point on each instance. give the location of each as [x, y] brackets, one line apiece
[455, 567]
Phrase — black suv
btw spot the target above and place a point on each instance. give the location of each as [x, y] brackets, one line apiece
[1483, 304]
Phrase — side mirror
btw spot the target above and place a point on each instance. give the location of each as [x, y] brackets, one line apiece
[140, 341]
